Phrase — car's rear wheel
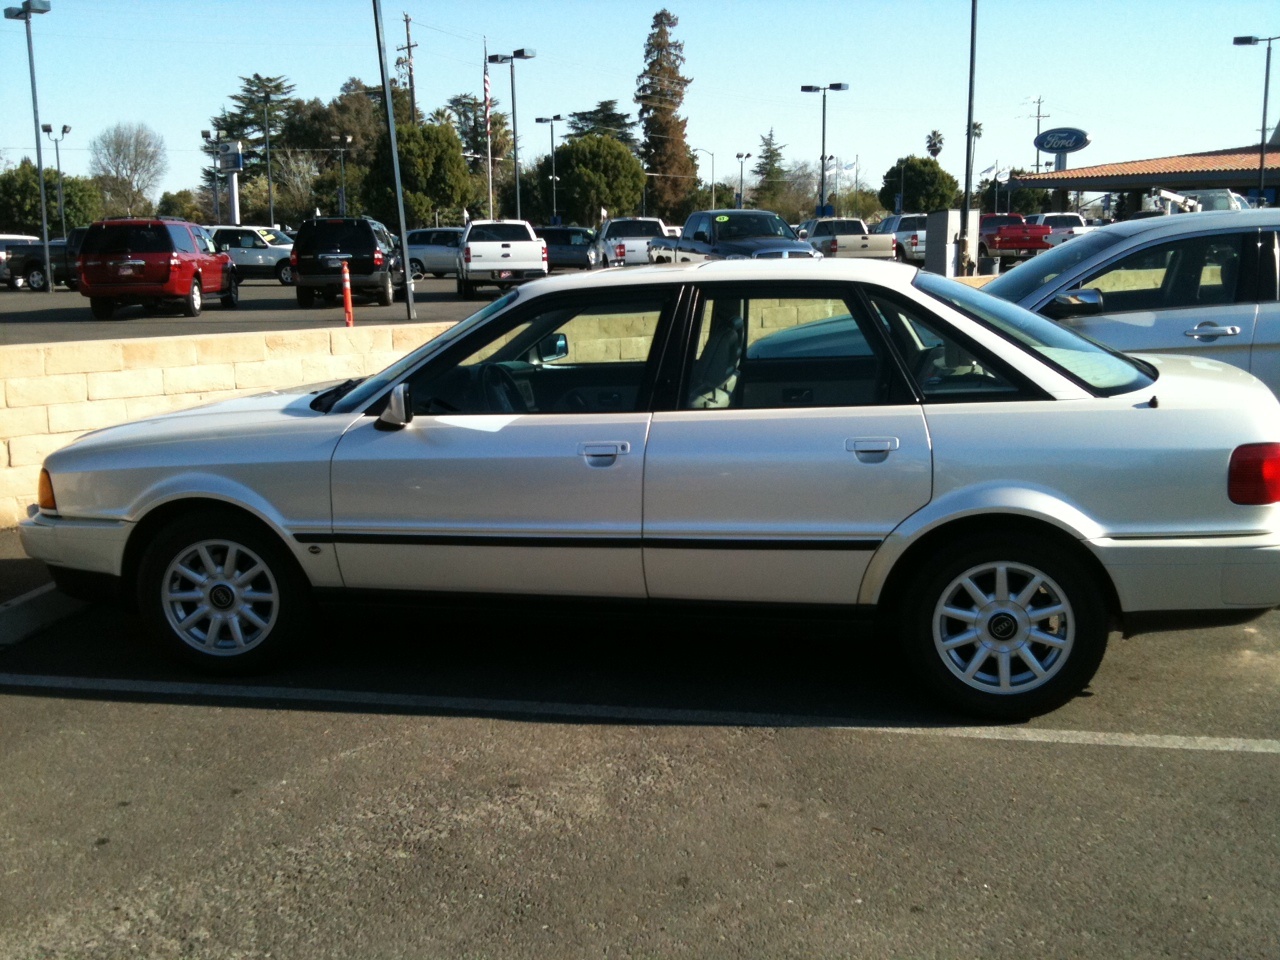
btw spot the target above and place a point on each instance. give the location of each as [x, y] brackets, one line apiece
[222, 593]
[284, 273]
[103, 308]
[437, 274]
[386, 291]
[1005, 626]
[36, 277]
[193, 302]
[306, 296]
[466, 290]
[982, 250]
[231, 299]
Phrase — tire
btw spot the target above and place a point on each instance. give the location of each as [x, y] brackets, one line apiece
[1036, 641]
[438, 275]
[193, 302]
[284, 273]
[306, 296]
[982, 250]
[222, 593]
[899, 254]
[417, 270]
[231, 299]
[467, 291]
[103, 308]
[35, 278]
[73, 285]
[386, 290]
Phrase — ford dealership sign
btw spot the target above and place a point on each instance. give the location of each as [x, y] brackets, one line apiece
[1062, 140]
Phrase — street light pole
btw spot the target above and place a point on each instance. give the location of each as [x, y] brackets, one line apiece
[524, 53]
[1266, 89]
[266, 129]
[214, 139]
[822, 175]
[742, 159]
[345, 139]
[57, 153]
[552, 121]
[713, 173]
[25, 12]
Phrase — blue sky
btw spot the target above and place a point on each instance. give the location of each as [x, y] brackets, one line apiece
[1145, 78]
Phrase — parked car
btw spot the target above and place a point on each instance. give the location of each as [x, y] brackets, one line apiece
[12, 280]
[374, 265]
[259, 253]
[571, 247]
[845, 237]
[909, 233]
[26, 260]
[500, 253]
[805, 434]
[739, 234]
[1010, 237]
[1200, 285]
[624, 241]
[434, 250]
[1062, 226]
[156, 262]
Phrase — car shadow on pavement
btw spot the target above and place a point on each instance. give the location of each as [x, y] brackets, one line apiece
[631, 665]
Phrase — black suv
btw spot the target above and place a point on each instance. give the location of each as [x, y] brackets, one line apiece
[371, 254]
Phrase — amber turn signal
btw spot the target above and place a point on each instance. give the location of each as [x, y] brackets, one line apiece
[45, 496]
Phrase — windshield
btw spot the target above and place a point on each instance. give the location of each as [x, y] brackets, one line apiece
[741, 226]
[1030, 275]
[1098, 368]
[372, 386]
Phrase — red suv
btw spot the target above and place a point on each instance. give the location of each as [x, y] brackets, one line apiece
[154, 261]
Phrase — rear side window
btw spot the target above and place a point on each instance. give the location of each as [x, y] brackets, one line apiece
[126, 238]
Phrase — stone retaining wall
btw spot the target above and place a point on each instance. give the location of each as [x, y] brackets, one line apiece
[52, 393]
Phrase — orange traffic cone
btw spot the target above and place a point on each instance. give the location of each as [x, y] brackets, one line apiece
[346, 296]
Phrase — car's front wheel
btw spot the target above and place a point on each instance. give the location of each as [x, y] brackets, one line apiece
[222, 593]
[1005, 627]
[416, 269]
[231, 299]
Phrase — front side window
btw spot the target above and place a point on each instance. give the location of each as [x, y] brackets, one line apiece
[1188, 272]
[570, 355]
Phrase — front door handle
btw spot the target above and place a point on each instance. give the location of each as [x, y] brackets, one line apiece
[603, 453]
[1213, 330]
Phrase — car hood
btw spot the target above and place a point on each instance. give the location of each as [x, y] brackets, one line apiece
[235, 419]
[753, 245]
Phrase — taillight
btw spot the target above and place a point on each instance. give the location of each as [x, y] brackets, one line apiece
[915, 239]
[832, 247]
[544, 253]
[466, 253]
[620, 252]
[377, 258]
[1254, 474]
[293, 258]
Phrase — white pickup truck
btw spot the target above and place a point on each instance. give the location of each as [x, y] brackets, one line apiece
[500, 253]
[624, 241]
[1062, 226]
[846, 237]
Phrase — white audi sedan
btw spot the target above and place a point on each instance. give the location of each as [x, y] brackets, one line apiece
[1000, 492]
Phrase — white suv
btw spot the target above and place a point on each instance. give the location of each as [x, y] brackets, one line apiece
[257, 252]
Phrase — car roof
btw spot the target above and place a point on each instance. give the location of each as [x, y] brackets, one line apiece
[1179, 223]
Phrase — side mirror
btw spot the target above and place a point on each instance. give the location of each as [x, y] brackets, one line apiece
[802, 234]
[1079, 302]
[700, 236]
[224, 248]
[399, 409]
[553, 347]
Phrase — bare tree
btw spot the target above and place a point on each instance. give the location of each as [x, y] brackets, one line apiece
[128, 161]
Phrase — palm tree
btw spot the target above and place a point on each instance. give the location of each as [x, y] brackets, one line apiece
[442, 116]
[933, 143]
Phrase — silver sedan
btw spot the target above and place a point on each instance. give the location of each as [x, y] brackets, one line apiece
[996, 492]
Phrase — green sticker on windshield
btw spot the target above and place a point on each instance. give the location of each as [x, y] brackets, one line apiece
[722, 219]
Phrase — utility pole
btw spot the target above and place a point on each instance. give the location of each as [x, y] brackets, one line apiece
[1039, 101]
[407, 62]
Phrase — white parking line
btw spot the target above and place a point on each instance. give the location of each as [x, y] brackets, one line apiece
[16, 682]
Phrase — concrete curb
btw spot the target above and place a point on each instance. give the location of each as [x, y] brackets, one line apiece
[34, 611]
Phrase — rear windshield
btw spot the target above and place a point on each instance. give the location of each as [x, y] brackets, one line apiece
[845, 228]
[993, 223]
[634, 228]
[913, 223]
[348, 236]
[498, 233]
[126, 238]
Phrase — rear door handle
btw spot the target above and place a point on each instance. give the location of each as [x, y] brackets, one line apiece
[871, 449]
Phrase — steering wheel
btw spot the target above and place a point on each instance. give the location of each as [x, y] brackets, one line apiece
[499, 389]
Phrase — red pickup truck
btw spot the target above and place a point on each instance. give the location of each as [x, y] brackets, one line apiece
[1009, 236]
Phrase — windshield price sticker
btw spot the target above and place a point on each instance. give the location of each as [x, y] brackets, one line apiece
[722, 219]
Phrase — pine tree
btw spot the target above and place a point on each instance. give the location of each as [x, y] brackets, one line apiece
[606, 121]
[664, 150]
[771, 178]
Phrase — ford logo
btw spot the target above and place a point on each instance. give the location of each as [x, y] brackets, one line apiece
[1062, 140]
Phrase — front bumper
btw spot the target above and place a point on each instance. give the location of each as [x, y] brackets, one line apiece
[94, 546]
